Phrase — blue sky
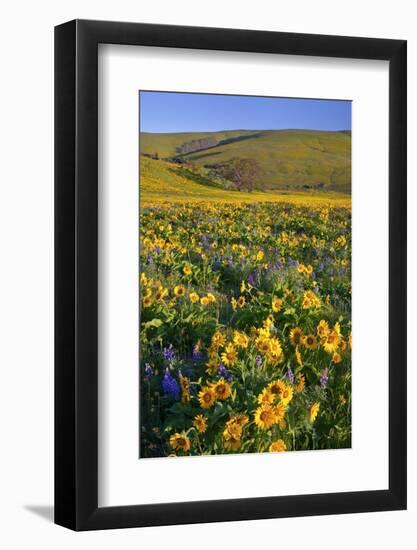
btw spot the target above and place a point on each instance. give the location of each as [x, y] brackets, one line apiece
[186, 112]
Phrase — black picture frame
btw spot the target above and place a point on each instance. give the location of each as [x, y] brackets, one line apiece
[76, 272]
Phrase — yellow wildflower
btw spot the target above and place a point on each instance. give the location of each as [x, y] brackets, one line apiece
[200, 423]
[240, 339]
[313, 411]
[206, 397]
[194, 297]
[229, 355]
[180, 442]
[277, 446]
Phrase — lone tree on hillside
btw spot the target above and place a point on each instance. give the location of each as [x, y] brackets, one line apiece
[245, 173]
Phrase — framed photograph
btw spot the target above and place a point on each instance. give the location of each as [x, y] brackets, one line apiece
[230, 245]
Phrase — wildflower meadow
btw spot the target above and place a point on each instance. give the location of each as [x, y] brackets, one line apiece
[245, 326]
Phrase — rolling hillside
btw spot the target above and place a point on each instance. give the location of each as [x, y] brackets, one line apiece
[162, 181]
[290, 159]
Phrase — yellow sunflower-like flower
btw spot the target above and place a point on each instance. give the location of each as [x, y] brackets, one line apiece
[233, 303]
[276, 387]
[180, 442]
[200, 423]
[331, 342]
[342, 345]
[286, 394]
[336, 358]
[300, 384]
[206, 397]
[266, 396]
[274, 354]
[260, 256]
[241, 301]
[310, 300]
[147, 301]
[279, 411]
[310, 342]
[232, 437]
[263, 344]
[161, 293]
[211, 298]
[240, 339]
[313, 411]
[342, 399]
[179, 290]
[239, 419]
[264, 332]
[307, 303]
[185, 389]
[187, 270]
[277, 446]
[194, 297]
[276, 304]
[218, 340]
[265, 416]
[296, 336]
[212, 365]
[204, 301]
[222, 389]
[229, 355]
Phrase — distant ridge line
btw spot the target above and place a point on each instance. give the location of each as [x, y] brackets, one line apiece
[346, 131]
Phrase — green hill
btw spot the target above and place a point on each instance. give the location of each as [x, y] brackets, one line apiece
[290, 159]
[162, 181]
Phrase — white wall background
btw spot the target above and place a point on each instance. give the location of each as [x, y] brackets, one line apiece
[26, 272]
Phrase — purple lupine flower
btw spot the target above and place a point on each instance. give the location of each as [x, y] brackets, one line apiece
[230, 261]
[258, 361]
[324, 378]
[170, 386]
[330, 272]
[223, 372]
[251, 279]
[290, 375]
[321, 266]
[148, 370]
[157, 250]
[169, 353]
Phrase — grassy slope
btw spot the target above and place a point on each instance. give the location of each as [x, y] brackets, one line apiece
[288, 157]
[163, 181]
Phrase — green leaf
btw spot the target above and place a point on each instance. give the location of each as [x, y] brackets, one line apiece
[155, 323]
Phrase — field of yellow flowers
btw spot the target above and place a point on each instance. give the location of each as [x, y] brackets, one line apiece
[245, 334]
